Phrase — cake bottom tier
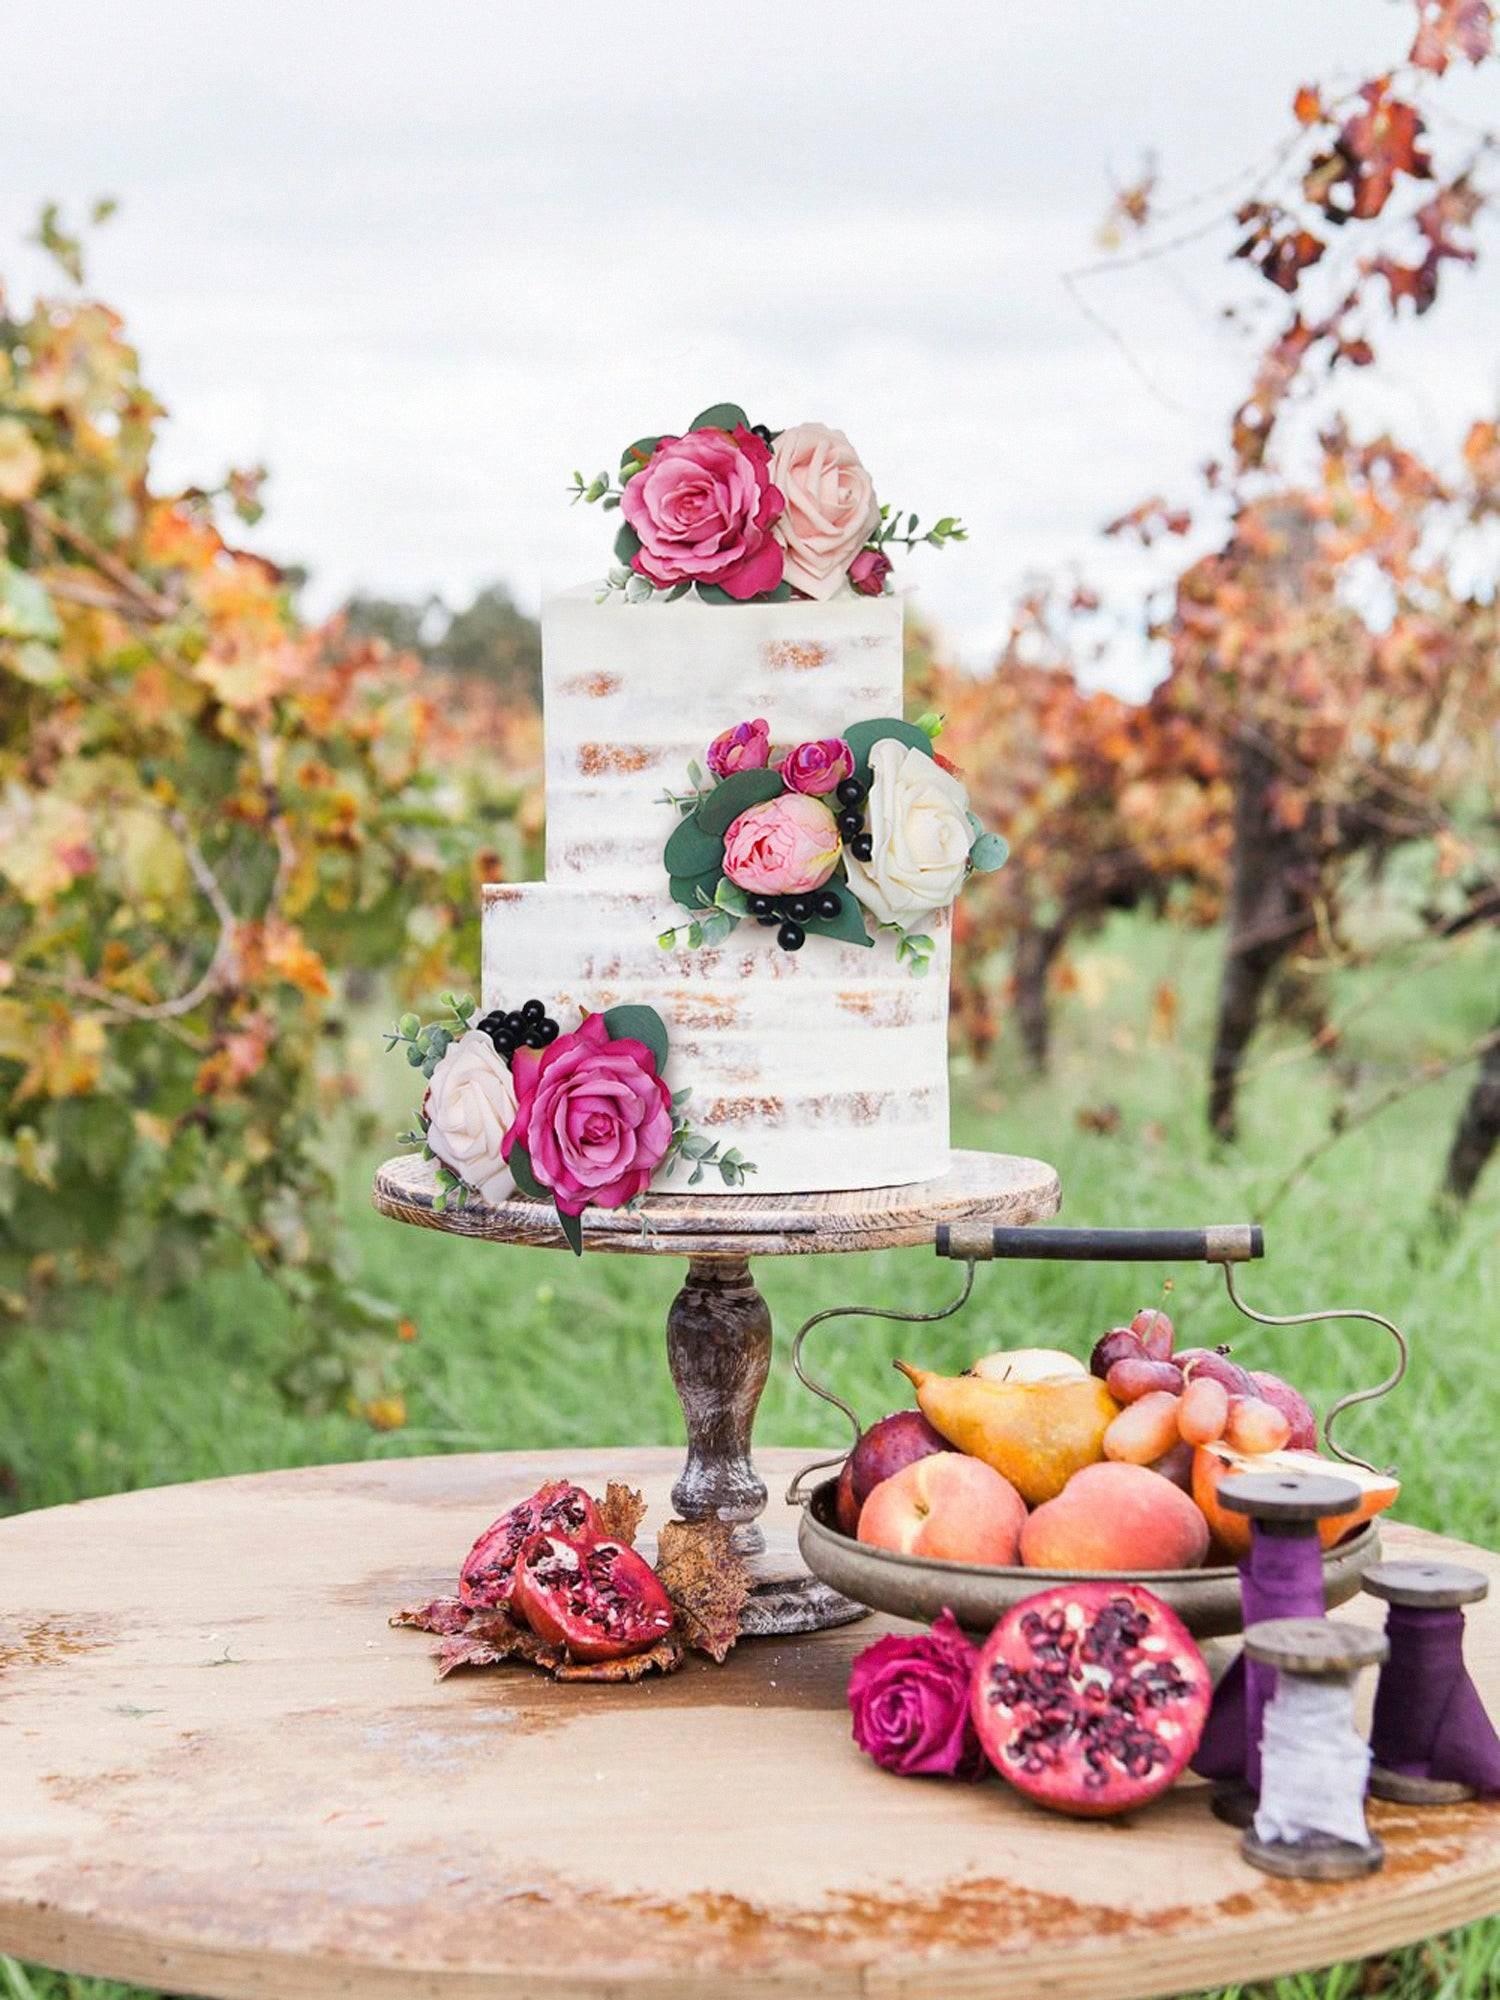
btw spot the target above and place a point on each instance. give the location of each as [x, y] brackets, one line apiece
[827, 1067]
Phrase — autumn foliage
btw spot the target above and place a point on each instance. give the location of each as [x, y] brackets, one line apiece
[208, 812]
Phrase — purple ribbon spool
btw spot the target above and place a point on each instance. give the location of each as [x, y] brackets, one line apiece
[1433, 1743]
[1282, 1577]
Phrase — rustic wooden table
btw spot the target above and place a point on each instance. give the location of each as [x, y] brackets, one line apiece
[719, 1326]
[223, 1773]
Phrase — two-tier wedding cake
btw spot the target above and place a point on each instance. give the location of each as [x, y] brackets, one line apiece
[738, 961]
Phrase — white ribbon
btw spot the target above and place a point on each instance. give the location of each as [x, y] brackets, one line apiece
[1314, 1765]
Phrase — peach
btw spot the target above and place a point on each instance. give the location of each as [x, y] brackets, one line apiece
[1116, 1517]
[948, 1506]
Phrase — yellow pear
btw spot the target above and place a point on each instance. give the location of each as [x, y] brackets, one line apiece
[1027, 1364]
[1038, 1434]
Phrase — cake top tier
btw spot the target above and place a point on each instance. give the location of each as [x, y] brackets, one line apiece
[739, 513]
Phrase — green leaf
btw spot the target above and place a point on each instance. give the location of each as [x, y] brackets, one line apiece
[732, 796]
[715, 593]
[626, 544]
[572, 1228]
[989, 852]
[26, 609]
[678, 590]
[692, 850]
[862, 736]
[720, 417]
[634, 456]
[695, 936]
[524, 1175]
[848, 927]
[731, 897]
[639, 1024]
[712, 593]
[692, 891]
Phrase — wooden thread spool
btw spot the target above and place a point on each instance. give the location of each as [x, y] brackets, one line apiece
[1281, 1577]
[1431, 1588]
[1307, 1652]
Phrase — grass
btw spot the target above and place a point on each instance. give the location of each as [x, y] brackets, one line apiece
[516, 1350]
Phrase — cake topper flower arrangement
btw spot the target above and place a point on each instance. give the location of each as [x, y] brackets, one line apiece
[816, 839]
[743, 514]
[584, 1119]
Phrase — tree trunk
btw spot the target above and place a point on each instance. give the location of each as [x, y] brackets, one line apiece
[1478, 1131]
[1030, 964]
[1269, 912]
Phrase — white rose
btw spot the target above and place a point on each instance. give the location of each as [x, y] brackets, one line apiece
[918, 823]
[831, 509]
[470, 1106]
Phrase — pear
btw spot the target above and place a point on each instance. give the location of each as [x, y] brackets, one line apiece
[1038, 1434]
[1027, 1364]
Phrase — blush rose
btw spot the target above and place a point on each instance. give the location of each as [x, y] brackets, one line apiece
[868, 572]
[703, 506]
[470, 1105]
[746, 747]
[830, 506]
[909, 1699]
[917, 817]
[818, 767]
[785, 846]
[593, 1115]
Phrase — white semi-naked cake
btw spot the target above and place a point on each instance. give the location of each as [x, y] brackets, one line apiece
[735, 975]
[827, 1067]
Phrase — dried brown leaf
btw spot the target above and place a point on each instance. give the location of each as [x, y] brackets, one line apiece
[666, 1656]
[492, 1637]
[707, 1581]
[440, 1614]
[621, 1511]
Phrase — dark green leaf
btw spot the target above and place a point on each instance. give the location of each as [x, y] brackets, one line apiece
[639, 1024]
[692, 849]
[572, 1228]
[861, 736]
[720, 417]
[627, 541]
[690, 890]
[524, 1175]
[711, 593]
[732, 796]
[848, 926]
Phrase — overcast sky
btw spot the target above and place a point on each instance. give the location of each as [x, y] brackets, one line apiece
[423, 261]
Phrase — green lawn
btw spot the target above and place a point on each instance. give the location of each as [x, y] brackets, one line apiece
[522, 1350]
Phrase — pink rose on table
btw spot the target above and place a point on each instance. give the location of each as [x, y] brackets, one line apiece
[593, 1115]
[746, 747]
[818, 767]
[703, 506]
[868, 572]
[783, 847]
[910, 1702]
[830, 506]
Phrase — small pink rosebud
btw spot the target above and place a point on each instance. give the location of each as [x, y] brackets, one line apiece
[868, 572]
[818, 767]
[746, 747]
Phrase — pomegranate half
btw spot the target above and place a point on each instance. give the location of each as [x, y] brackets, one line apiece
[489, 1570]
[1090, 1698]
[598, 1599]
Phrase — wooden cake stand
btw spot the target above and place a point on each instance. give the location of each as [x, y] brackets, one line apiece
[223, 1773]
[719, 1326]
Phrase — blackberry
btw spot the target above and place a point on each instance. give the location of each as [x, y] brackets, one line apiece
[829, 904]
[851, 825]
[791, 937]
[850, 792]
[864, 848]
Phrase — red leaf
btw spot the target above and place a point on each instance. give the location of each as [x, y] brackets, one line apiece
[1446, 28]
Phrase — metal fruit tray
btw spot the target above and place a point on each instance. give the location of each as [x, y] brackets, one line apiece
[1207, 1600]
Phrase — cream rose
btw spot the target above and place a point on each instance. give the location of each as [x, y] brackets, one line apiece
[830, 506]
[470, 1106]
[919, 826]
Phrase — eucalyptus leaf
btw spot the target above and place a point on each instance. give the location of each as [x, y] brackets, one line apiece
[720, 417]
[692, 849]
[639, 1024]
[863, 736]
[732, 796]
[731, 897]
[848, 927]
[693, 891]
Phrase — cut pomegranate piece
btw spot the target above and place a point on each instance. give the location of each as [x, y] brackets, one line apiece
[1090, 1698]
[599, 1599]
[488, 1576]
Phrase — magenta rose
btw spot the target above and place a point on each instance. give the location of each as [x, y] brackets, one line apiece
[818, 767]
[593, 1115]
[783, 847]
[868, 572]
[703, 506]
[746, 747]
[910, 1702]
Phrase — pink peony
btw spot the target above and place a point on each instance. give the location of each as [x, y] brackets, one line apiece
[910, 1703]
[868, 572]
[818, 767]
[702, 506]
[746, 747]
[783, 847]
[593, 1115]
[831, 507]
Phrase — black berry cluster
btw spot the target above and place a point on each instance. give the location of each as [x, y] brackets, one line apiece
[526, 1027]
[791, 913]
[851, 796]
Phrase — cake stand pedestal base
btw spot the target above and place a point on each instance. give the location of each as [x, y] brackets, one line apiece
[719, 1327]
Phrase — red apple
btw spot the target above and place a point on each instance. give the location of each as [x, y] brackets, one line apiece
[896, 1441]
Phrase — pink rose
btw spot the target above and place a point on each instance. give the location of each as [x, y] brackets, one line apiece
[830, 506]
[818, 767]
[593, 1115]
[783, 847]
[868, 572]
[702, 506]
[910, 1703]
[746, 747]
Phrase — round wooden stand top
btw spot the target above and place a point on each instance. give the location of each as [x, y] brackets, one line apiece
[225, 1774]
[1001, 1187]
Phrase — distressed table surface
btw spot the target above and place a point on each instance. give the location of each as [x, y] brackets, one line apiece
[1000, 1186]
[223, 1773]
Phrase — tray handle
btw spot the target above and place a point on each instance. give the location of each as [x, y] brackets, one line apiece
[1220, 1243]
